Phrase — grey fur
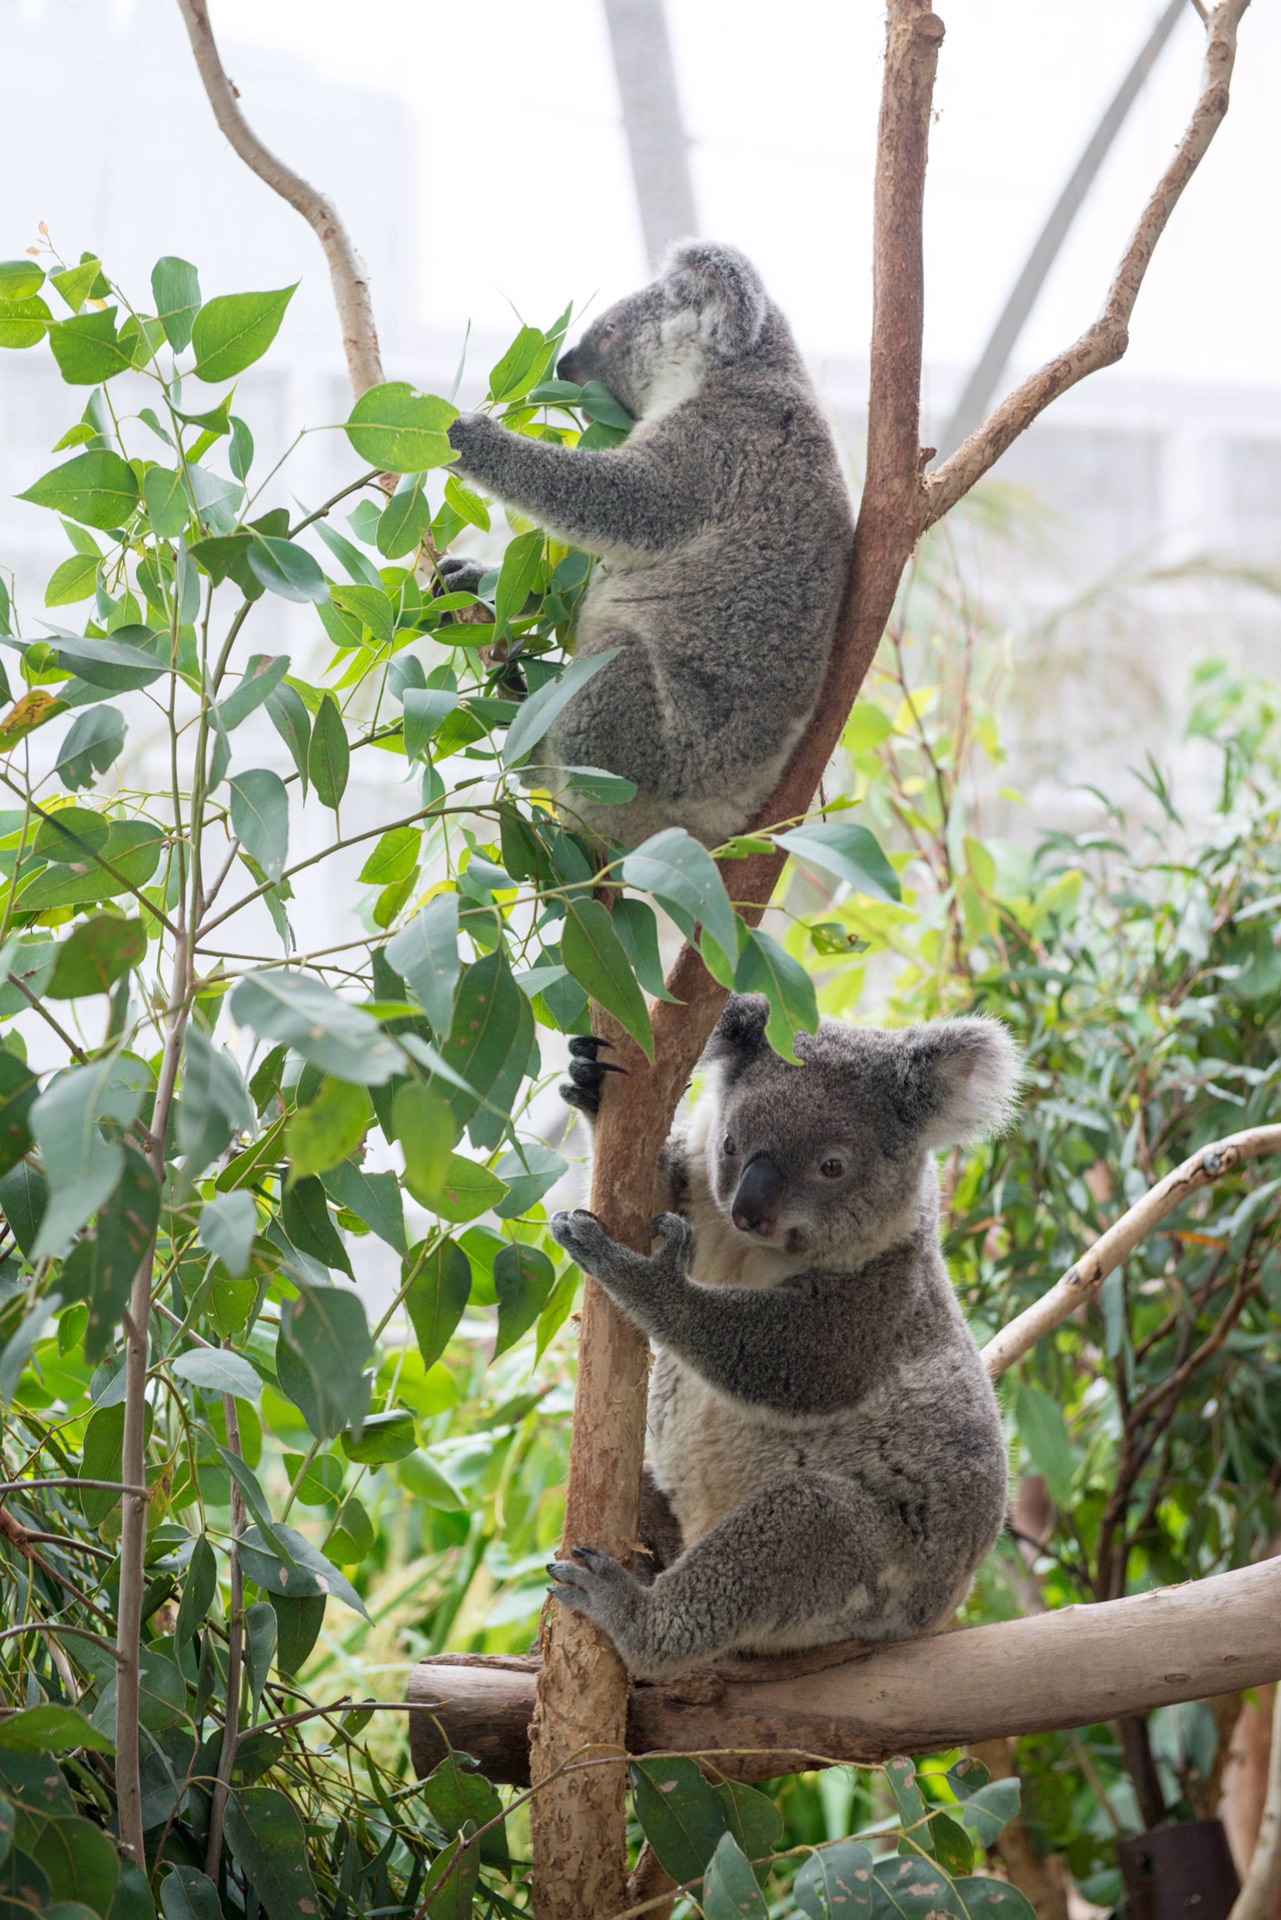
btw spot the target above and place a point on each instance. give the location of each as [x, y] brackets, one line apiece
[821, 1422]
[725, 529]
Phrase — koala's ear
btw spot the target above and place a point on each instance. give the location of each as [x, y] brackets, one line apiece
[722, 289]
[739, 1035]
[958, 1080]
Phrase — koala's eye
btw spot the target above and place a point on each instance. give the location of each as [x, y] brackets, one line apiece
[729, 1148]
[832, 1169]
[605, 332]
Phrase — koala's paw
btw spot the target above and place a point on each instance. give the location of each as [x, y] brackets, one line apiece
[460, 574]
[677, 1237]
[586, 1074]
[594, 1584]
[467, 429]
[585, 1240]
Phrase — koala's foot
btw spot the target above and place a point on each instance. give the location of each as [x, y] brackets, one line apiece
[585, 1240]
[586, 1073]
[613, 1599]
[459, 574]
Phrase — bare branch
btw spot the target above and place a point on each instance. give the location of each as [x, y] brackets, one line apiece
[1257, 1898]
[1066, 1668]
[347, 270]
[1082, 1280]
[1103, 343]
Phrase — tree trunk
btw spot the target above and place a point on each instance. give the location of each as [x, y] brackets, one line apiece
[657, 143]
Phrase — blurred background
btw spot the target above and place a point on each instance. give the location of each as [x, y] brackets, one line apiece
[1126, 537]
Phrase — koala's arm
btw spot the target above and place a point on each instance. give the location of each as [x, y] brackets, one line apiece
[622, 497]
[795, 1348]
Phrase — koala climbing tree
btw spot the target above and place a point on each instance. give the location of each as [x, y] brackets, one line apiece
[578, 1811]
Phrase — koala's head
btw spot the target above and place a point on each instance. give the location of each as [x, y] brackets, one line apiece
[826, 1159]
[707, 309]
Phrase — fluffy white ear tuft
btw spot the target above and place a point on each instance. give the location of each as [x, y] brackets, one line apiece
[722, 288]
[960, 1079]
[738, 1037]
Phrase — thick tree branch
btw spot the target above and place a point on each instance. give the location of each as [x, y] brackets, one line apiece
[1083, 1279]
[1106, 340]
[1257, 1898]
[347, 270]
[1055, 1670]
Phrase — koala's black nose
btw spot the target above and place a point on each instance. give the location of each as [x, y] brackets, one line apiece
[759, 1191]
[567, 367]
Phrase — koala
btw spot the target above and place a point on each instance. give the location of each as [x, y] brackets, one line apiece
[724, 530]
[826, 1455]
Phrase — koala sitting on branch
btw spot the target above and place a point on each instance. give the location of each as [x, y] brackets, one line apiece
[724, 529]
[826, 1460]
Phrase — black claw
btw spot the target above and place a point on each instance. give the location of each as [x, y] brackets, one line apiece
[586, 1554]
[586, 1046]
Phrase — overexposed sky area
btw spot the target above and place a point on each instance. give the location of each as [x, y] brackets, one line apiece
[503, 178]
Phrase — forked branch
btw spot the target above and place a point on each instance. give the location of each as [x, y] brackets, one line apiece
[1081, 1283]
[1106, 340]
[347, 270]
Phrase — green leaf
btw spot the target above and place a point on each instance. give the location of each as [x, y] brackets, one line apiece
[175, 288]
[98, 489]
[94, 741]
[87, 350]
[1043, 1431]
[406, 519]
[132, 849]
[425, 953]
[329, 755]
[329, 1128]
[426, 711]
[598, 403]
[327, 1330]
[198, 1591]
[437, 1297]
[260, 1647]
[269, 1844]
[188, 1894]
[467, 1191]
[985, 1812]
[19, 279]
[521, 367]
[52, 1729]
[677, 870]
[282, 1004]
[679, 1813]
[82, 1167]
[983, 1899]
[257, 683]
[292, 722]
[95, 955]
[77, 284]
[399, 430]
[764, 967]
[372, 1197]
[420, 1476]
[914, 1888]
[287, 569]
[848, 852]
[74, 580]
[310, 1576]
[538, 712]
[260, 818]
[730, 1891]
[950, 1845]
[597, 959]
[836, 1883]
[372, 607]
[383, 1437]
[102, 1266]
[523, 1280]
[528, 1173]
[516, 577]
[394, 858]
[309, 1224]
[80, 1861]
[751, 1817]
[217, 1370]
[449, 1891]
[24, 323]
[18, 1090]
[900, 1776]
[230, 333]
[351, 559]
[100, 1457]
[636, 926]
[426, 1129]
[298, 1624]
[165, 498]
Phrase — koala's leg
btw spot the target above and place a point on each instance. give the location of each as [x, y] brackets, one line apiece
[658, 1530]
[800, 1562]
[623, 722]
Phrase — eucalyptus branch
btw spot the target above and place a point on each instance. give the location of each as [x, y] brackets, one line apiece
[235, 1643]
[90, 854]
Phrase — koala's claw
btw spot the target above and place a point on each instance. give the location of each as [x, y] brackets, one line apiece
[587, 1073]
[589, 1581]
[580, 1233]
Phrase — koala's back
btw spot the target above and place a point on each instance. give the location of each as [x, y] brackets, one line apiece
[737, 619]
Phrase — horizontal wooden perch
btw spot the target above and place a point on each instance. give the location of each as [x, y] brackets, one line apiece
[762, 1718]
